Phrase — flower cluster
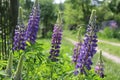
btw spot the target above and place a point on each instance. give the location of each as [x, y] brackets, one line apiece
[99, 69]
[88, 49]
[77, 47]
[19, 41]
[56, 41]
[30, 33]
[33, 24]
[76, 52]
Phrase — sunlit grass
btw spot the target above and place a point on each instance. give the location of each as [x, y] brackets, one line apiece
[111, 69]
[115, 50]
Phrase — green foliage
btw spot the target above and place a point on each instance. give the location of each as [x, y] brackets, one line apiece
[44, 69]
[49, 34]
[48, 15]
[115, 6]
[109, 33]
[77, 12]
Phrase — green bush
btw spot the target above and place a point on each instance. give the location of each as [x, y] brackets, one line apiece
[109, 33]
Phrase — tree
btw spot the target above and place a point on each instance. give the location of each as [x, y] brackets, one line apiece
[77, 11]
[48, 16]
[8, 21]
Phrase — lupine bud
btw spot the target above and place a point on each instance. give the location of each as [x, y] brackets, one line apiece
[33, 24]
[19, 41]
[18, 73]
[56, 40]
[87, 49]
[10, 64]
[99, 68]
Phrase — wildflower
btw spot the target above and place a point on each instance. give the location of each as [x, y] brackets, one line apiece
[99, 68]
[87, 49]
[76, 52]
[77, 47]
[19, 41]
[33, 23]
[56, 40]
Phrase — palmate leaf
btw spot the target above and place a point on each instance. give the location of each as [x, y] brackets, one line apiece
[2, 73]
[2, 63]
[4, 76]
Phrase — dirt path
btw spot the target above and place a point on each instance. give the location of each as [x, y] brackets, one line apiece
[105, 54]
[108, 42]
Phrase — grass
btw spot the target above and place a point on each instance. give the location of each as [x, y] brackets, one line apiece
[73, 35]
[110, 39]
[70, 34]
[115, 50]
[104, 46]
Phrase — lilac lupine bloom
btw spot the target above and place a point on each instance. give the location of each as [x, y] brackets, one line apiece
[56, 41]
[19, 41]
[88, 48]
[33, 24]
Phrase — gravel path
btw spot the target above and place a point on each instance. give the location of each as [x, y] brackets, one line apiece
[105, 54]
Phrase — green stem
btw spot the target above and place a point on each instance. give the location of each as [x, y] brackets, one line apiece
[101, 56]
[80, 35]
[18, 73]
[59, 19]
[10, 64]
[20, 15]
[51, 75]
[36, 3]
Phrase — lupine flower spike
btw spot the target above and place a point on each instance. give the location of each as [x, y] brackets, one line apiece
[18, 73]
[33, 24]
[77, 47]
[88, 47]
[19, 41]
[99, 68]
[56, 39]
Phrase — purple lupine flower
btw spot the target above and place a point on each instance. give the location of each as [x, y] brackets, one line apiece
[19, 41]
[88, 49]
[76, 52]
[56, 41]
[77, 47]
[33, 24]
[99, 69]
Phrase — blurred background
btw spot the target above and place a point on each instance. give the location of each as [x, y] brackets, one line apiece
[75, 14]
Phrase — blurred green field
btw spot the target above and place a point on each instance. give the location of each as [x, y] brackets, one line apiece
[115, 50]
